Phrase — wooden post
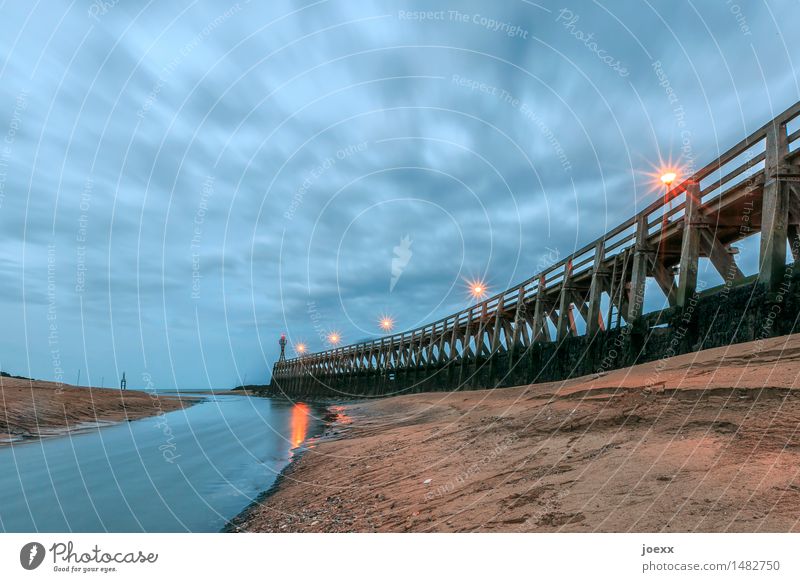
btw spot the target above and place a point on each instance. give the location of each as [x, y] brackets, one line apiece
[440, 357]
[774, 209]
[641, 258]
[541, 333]
[690, 246]
[498, 314]
[594, 319]
[519, 321]
[495, 340]
[480, 342]
[454, 338]
[465, 349]
[563, 326]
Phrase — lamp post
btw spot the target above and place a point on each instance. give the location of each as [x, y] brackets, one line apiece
[667, 178]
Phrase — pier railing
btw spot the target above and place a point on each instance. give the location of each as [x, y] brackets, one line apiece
[750, 188]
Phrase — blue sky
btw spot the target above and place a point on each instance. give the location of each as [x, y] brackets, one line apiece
[182, 182]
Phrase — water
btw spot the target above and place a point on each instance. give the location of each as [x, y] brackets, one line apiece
[188, 470]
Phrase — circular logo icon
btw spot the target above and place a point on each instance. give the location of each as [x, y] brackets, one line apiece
[31, 555]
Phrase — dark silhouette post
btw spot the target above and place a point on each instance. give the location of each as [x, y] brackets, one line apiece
[282, 343]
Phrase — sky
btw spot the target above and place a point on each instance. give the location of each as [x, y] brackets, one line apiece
[182, 182]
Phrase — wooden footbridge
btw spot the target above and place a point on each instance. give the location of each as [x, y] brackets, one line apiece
[754, 187]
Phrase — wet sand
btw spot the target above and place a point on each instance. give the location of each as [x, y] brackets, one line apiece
[702, 442]
[32, 409]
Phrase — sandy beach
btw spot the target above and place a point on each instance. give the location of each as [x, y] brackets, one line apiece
[704, 442]
[34, 409]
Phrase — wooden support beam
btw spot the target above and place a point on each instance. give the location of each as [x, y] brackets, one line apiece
[562, 324]
[623, 302]
[720, 256]
[508, 332]
[479, 337]
[498, 314]
[518, 326]
[430, 347]
[793, 229]
[539, 324]
[641, 259]
[440, 357]
[666, 280]
[571, 317]
[466, 351]
[402, 352]
[526, 321]
[690, 246]
[579, 302]
[611, 291]
[554, 317]
[454, 338]
[622, 298]
[593, 317]
[793, 234]
[774, 209]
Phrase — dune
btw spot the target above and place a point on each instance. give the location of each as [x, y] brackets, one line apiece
[34, 409]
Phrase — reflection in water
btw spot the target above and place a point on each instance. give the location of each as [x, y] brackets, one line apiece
[298, 424]
[341, 417]
[116, 479]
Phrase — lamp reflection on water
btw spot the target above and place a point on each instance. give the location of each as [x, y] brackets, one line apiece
[298, 424]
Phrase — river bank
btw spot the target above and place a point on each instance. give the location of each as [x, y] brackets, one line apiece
[31, 409]
[190, 470]
[331, 420]
[708, 441]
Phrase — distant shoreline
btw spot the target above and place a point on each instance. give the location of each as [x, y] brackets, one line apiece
[35, 409]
